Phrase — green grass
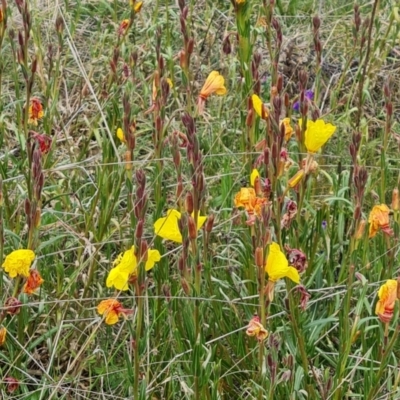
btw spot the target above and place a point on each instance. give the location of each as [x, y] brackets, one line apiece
[186, 336]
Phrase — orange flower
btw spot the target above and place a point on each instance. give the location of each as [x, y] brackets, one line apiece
[256, 329]
[379, 219]
[35, 111]
[288, 128]
[247, 199]
[123, 26]
[387, 298]
[112, 309]
[34, 281]
[214, 83]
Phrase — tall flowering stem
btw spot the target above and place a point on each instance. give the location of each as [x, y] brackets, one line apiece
[140, 207]
[188, 47]
[160, 93]
[194, 203]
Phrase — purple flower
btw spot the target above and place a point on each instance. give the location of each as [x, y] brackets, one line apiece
[309, 95]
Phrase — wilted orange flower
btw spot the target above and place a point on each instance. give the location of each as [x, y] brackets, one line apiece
[35, 111]
[215, 83]
[256, 329]
[34, 281]
[387, 298]
[379, 219]
[248, 199]
[112, 309]
[3, 334]
[288, 128]
[43, 141]
[123, 26]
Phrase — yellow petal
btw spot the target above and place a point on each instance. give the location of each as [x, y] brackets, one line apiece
[317, 134]
[254, 174]
[118, 278]
[167, 227]
[111, 318]
[257, 104]
[127, 262]
[293, 274]
[120, 135]
[200, 221]
[277, 266]
[153, 256]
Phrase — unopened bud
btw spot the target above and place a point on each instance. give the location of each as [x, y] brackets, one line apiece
[395, 200]
[250, 118]
[192, 228]
[182, 59]
[190, 46]
[210, 223]
[226, 46]
[259, 257]
[128, 160]
[185, 286]
[37, 217]
[189, 203]
[360, 229]
[139, 229]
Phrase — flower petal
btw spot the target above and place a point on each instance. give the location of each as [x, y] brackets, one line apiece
[167, 227]
[118, 278]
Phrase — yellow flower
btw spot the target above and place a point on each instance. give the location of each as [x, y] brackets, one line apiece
[167, 227]
[126, 265]
[277, 266]
[253, 176]
[215, 83]
[317, 134]
[288, 128]
[379, 219]
[120, 135]
[387, 298]
[18, 262]
[259, 107]
[112, 309]
[3, 334]
[136, 6]
[256, 329]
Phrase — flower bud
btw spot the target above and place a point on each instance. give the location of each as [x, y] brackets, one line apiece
[210, 223]
[395, 200]
[360, 229]
[189, 203]
[185, 286]
[192, 228]
[259, 257]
